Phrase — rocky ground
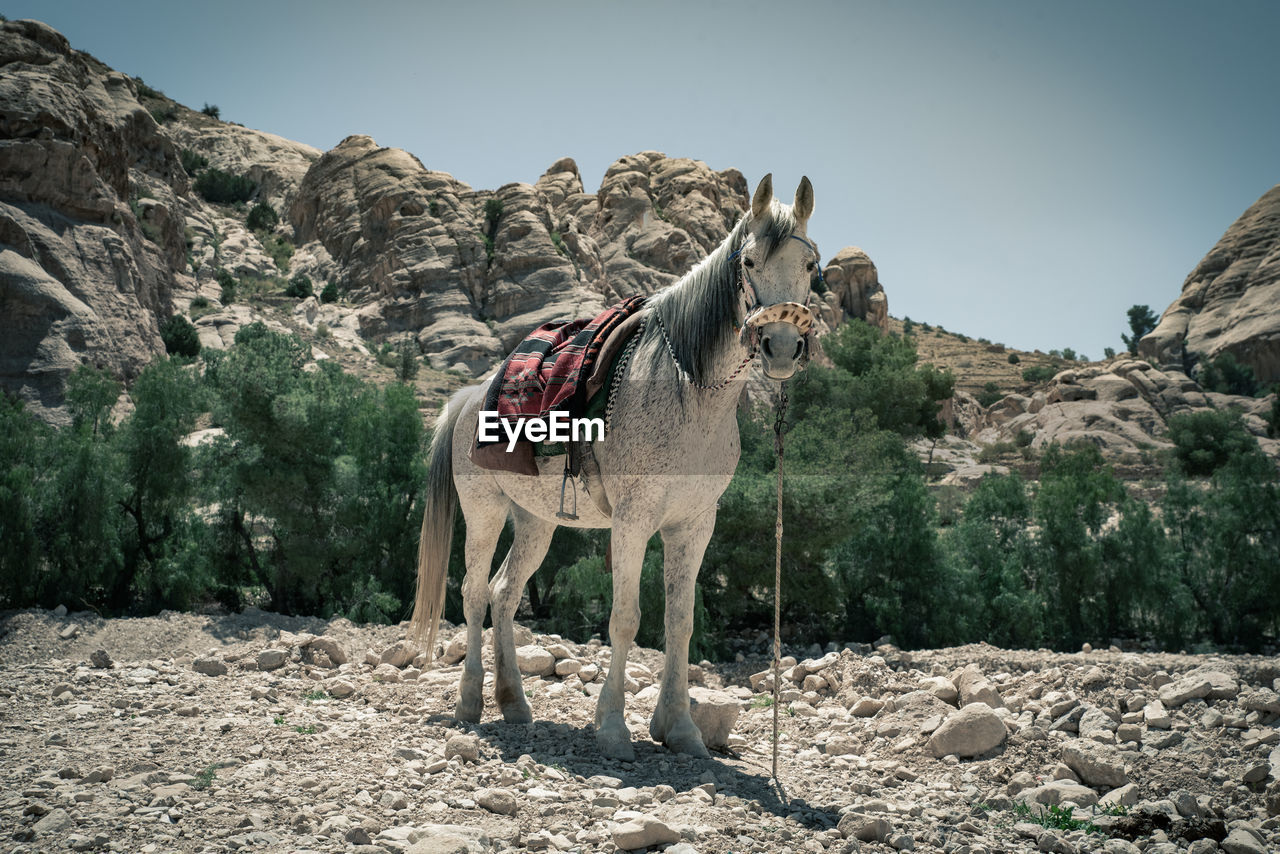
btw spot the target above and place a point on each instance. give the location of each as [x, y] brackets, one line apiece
[257, 732]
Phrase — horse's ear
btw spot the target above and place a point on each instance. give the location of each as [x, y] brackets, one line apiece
[764, 195]
[804, 199]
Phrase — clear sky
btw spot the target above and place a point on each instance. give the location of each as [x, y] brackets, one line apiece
[1022, 171]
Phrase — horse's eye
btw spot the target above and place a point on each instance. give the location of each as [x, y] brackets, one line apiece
[809, 266]
[748, 263]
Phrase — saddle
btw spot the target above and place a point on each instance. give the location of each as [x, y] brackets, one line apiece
[560, 366]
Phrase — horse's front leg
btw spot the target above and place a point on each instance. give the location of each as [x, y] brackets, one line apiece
[529, 543]
[628, 544]
[682, 547]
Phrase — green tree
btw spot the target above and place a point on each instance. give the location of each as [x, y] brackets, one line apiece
[1206, 440]
[23, 453]
[263, 217]
[180, 337]
[1142, 320]
[1225, 375]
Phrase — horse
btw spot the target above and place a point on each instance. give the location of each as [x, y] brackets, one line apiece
[670, 452]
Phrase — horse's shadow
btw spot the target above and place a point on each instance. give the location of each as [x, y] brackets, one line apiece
[572, 750]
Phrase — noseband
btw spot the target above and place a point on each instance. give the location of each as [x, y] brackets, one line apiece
[758, 315]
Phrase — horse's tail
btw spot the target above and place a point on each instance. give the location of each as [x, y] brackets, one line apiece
[437, 530]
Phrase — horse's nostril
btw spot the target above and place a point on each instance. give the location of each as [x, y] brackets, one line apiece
[799, 348]
[764, 345]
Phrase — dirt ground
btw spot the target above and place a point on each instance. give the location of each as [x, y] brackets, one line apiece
[185, 732]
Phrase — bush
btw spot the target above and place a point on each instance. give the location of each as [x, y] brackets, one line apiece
[299, 287]
[279, 248]
[193, 161]
[1069, 354]
[145, 91]
[262, 217]
[212, 111]
[493, 211]
[224, 188]
[1225, 375]
[1039, 373]
[180, 337]
[1014, 359]
[406, 359]
[163, 112]
[1109, 352]
[330, 293]
[990, 394]
[1205, 441]
[227, 283]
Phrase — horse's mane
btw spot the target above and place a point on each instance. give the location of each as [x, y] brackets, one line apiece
[698, 311]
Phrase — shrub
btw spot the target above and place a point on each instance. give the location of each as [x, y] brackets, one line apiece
[224, 188]
[300, 287]
[193, 161]
[1109, 352]
[227, 283]
[990, 394]
[1014, 359]
[330, 293]
[179, 336]
[262, 217]
[908, 327]
[1205, 441]
[1069, 354]
[406, 362]
[493, 211]
[1039, 373]
[164, 112]
[1225, 375]
[145, 91]
[212, 111]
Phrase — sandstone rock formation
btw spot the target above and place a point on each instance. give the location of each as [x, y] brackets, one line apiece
[1122, 407]
[102, 236]
[81, 278]
[1231, 300]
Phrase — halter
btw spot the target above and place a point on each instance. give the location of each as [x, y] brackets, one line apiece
[757, 315]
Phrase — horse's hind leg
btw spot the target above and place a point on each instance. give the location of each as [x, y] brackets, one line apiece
[682, 549]
[485, 520]
[532, 537]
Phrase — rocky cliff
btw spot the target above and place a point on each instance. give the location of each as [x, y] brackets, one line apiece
[102, 235]
[1229, 302]
[91, 242]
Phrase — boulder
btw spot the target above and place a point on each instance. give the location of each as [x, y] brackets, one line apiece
[643, 831]
[533, 660]
[1095, 764]
[714, 713]
[974, 687]
[970, 731]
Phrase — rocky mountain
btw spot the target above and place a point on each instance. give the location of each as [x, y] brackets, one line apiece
[103, 235]
[1229, 301]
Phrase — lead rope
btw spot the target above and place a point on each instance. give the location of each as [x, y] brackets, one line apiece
[779, 425]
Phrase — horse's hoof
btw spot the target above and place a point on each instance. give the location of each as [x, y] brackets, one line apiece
[517, 714]
[468, 712]
[687, 739]
[616, 749]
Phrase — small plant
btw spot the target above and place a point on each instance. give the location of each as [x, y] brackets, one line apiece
[1039, 373]
[224, 188]
[193, 161]
[227, 283]
[962, 338]
[279, 248]
[1113, 809]
[316, 694]
[1053, 817]
[309, 729]
[323, 331]
[559, 242]
[299, 287]
[488, 246]
[278, 720]
[1013, 359]
[263, 217]
[145, 91]
[434, 207]
[163, 113]
[204, 779]
[761, 701]
[1024, 438]
[926, 327]
[179, 335]
[212, 111]
[907, 327]
[330, 293]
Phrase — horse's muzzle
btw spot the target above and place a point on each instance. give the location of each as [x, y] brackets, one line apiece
[783, 349]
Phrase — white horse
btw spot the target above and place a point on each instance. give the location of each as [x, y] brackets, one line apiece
[671, 451]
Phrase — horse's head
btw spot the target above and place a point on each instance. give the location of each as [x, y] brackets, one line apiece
[777, 263]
